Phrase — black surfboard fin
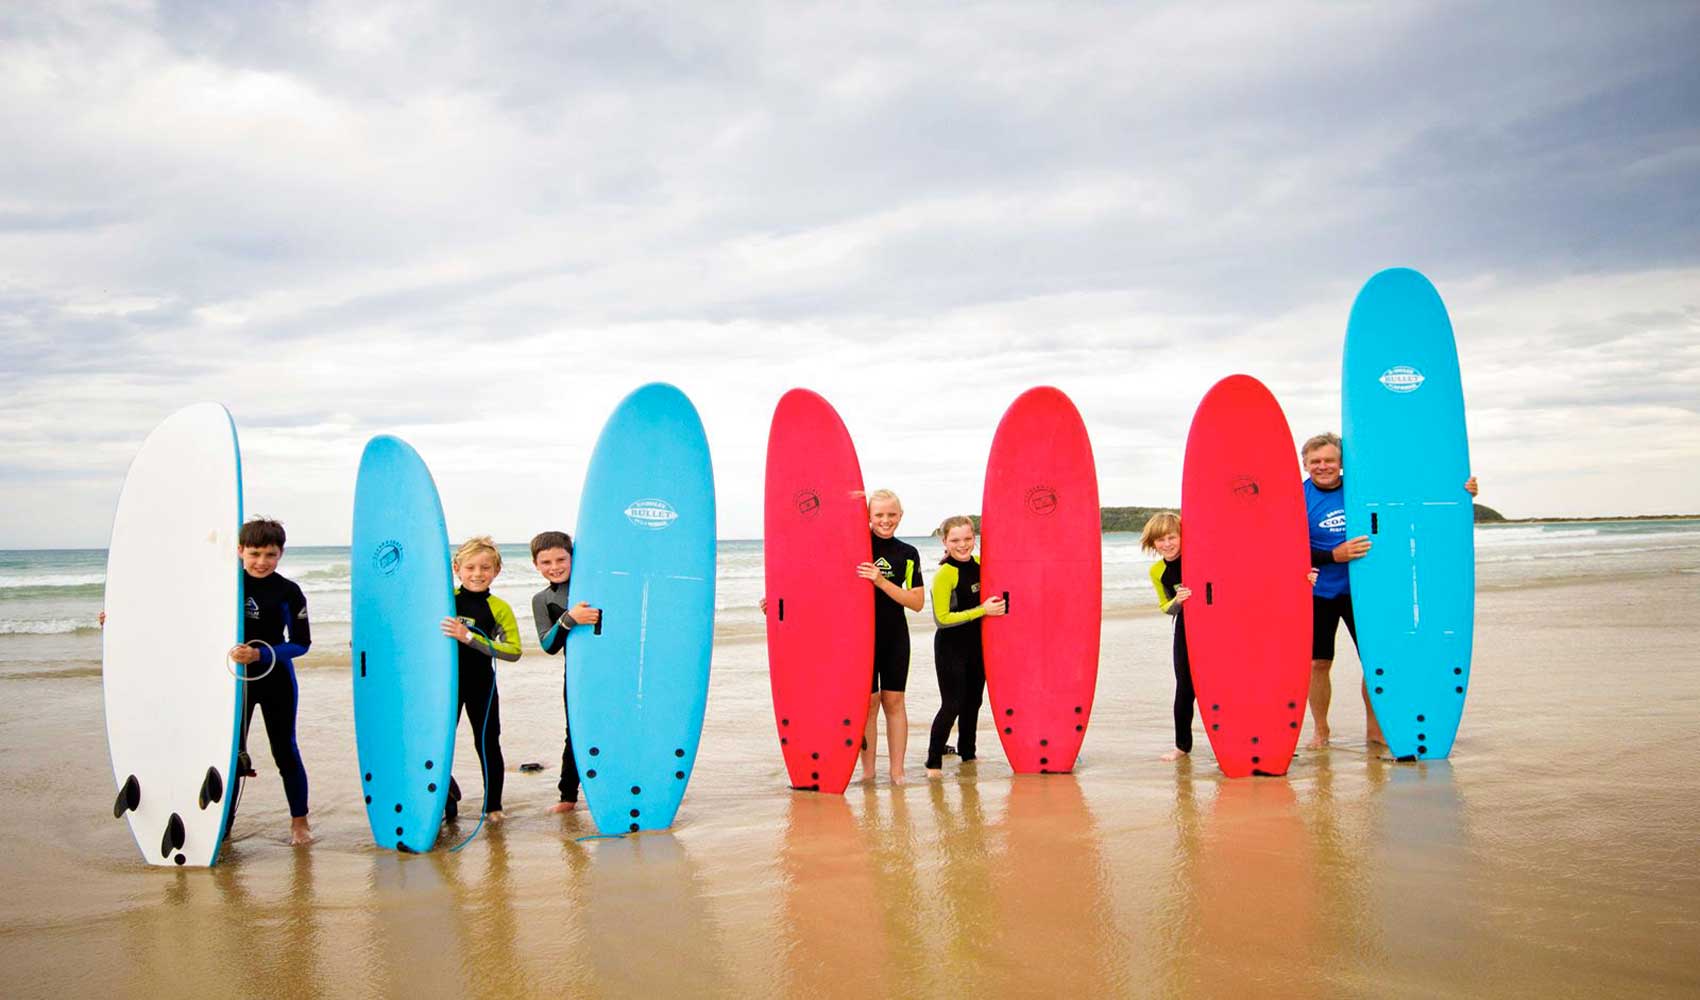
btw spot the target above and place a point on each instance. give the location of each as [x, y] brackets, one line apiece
[212, 788]
[174, 835]
[129, 797]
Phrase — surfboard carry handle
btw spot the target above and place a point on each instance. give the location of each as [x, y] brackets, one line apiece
[782, 609]
[1374, 526]
[129, 797]
[363, 663]
[597, 628]
[1209, 593]
[1006, 602]
[229, 663]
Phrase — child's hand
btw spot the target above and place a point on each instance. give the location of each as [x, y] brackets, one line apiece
[102, 617]
[995, 606]
[1181, 594]
[244, 654]
[867, 571]
[584, 614]
[1355, 548]
[1470, 486]
[456, 629]
[762, 604]
[1312, 575]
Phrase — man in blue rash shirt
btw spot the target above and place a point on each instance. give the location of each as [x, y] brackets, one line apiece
[1331, 598]
[272, 607]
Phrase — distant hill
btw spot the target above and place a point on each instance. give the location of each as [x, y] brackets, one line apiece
[1487, 515]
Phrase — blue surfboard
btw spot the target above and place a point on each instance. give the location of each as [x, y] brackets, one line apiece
[1405, 459]
[406, 680]
[637, 683]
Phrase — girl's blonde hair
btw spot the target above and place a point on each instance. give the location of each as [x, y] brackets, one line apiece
[476, 544]
[1162, 523]
[884, 495]
[954, 521]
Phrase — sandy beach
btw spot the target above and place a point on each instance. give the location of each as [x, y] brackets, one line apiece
[1554, 854]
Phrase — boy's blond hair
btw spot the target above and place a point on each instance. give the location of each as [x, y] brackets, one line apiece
[476, 544]
[884, 495]
[1162, 523]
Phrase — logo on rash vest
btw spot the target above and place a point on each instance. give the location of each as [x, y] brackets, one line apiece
[884, 568]
[652, 513]
[1332, 521]
[1402, 378]
[1244, 488]
[807, 502]
[253, 609]
[1042, 500]
[386, 558]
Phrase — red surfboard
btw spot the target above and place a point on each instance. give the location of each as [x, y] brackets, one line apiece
[820, 614]
[1245, 556]
[1042, 551]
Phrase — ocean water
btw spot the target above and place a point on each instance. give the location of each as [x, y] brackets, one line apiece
[49, 598]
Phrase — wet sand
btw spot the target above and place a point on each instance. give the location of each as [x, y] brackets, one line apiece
[1555, 854]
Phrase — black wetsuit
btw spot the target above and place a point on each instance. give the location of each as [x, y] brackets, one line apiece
[900, 563]
[959, 658]
[478, 695]
[1184, 694]
[272, 607]
[547, 607]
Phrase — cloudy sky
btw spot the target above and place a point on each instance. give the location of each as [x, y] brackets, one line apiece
[478, 226]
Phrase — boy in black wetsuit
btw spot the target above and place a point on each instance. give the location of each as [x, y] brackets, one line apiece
[272, 607]
[552, 554]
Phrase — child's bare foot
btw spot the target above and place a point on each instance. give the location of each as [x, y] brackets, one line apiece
[299, 832]
[1173, 755]
[1318, 740]
[494, 816]
[563, 807]
[897, 776]
[935, 772]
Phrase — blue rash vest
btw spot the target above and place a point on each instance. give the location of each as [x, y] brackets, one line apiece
[1325, 516]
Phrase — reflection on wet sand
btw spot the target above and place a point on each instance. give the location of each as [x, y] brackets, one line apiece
[890, 830]
[414, 933]
[967, 916]
[1056, 931]
[1248, 892]
[648, 926]
[832, 931]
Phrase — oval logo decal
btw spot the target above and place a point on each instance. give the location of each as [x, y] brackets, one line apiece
[1402, 378]
[1042, 500]
[386, 558]
[652, 513]
[807, 502]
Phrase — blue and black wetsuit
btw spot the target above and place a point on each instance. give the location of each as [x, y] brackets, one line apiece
[273, 607]
[959, 657]
[548, 611]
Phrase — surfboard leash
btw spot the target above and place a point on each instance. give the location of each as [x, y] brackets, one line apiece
[484, 758]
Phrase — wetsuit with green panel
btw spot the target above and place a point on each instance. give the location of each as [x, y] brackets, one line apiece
[958, 656]
[900, 563]
[496, 637]
[1165, 577]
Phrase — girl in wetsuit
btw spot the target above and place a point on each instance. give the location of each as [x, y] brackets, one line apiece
[961, 665]
[1162, 535]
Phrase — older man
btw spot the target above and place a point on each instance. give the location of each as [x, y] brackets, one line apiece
[1331, 600]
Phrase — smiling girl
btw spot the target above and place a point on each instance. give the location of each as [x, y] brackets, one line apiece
[957, 653]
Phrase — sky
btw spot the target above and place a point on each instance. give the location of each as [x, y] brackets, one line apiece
[479, 226]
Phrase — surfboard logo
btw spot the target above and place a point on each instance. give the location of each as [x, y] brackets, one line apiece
[652, 513]
[1244, 488]
[1042, 500]
[807, 502]
[386, 558]
[1402, 378]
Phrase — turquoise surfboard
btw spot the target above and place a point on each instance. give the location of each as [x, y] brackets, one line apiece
[637, 683]
[1405, 458]
[406, 680]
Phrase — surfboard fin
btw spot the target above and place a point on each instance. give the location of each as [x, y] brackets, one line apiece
[129, 797]
[174, 835]
[212, 788]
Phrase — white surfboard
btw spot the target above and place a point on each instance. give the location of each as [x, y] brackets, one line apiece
[173, 610]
